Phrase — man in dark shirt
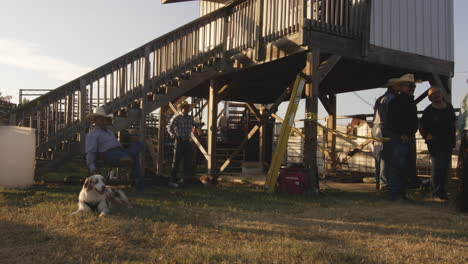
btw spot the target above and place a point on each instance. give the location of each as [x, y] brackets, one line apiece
[181, 128]
[402, 123]
[438, 130]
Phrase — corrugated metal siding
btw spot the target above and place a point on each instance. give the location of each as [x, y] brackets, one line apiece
[423, 27]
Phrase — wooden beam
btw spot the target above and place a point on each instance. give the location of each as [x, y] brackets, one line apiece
[421, 97]
[331, 138]
[82, 114]
[254, 110]
[143, 108]
[310, 142]
[212, 126]
[327, 66]
[161, 139]
[281, 120]
[327, 104]
[409, 61]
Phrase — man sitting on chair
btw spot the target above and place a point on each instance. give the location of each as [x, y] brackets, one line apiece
[102, 141]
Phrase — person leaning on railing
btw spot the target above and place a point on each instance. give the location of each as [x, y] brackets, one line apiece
[101, 142]
[462, 194]
[438, 130]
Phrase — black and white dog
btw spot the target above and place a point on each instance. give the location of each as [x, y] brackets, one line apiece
[95, 196]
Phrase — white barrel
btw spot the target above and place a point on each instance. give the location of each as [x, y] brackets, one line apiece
[17, 156]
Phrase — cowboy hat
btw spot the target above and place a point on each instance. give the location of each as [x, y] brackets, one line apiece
[407, 78]
[98, 112]
[182, 105]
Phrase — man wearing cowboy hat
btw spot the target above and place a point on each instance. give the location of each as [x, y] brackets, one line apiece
[180, 128]
[101, 140]
[438, 130]
[402, 120]
[379, 130]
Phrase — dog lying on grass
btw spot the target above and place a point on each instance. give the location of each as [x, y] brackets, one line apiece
[95, 196]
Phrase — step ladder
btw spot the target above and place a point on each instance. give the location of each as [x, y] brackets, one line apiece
[280, 149]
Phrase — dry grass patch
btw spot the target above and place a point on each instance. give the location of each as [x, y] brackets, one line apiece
[229, 224]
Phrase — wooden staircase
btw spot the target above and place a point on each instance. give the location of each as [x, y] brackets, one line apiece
[229, 40]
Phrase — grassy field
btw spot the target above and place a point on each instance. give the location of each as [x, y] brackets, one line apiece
[229, 224]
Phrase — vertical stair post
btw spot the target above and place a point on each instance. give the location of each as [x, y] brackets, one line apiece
[212, 126]
[259, 50]
[262, 139]
[310, 142]
[82, 107]
[161, 133]
[331, 138]
[144, 100]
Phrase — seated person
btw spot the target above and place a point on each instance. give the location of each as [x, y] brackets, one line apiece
[102, 141]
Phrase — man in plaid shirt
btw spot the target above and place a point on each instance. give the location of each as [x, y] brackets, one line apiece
[180, 128]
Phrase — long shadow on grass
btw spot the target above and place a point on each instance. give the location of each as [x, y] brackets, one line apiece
[30, 244]
[195, 206]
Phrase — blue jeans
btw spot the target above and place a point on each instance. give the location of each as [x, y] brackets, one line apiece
[113, 156]
[440, 160]
[398, 167]
[183, 150]
[381, 166]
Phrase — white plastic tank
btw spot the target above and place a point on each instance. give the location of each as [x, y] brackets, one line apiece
[17, 156]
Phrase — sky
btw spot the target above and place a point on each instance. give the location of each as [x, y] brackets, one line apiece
[46, 43]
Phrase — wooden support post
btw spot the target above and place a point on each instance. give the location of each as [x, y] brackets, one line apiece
[310, 142]
[331, 138]
[261, 139]
[39, 127]
[69, 110]
[212, 127]
[82, 113]
[161, 133]
[144, 101]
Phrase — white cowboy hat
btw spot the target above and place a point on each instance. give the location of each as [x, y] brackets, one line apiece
[403, 79]
[182, 105]
[98, 112]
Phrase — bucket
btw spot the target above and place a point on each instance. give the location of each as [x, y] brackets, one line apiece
[17, 156]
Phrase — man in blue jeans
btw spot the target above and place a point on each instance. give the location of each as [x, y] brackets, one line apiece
[101, 141]
[402, 123]
[379, 130]
[180, 128]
